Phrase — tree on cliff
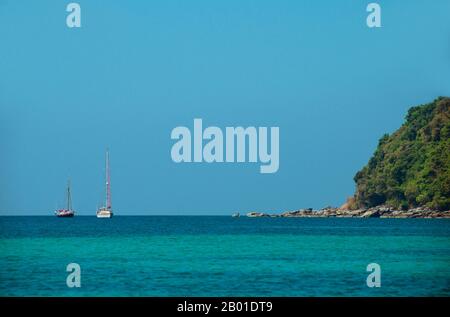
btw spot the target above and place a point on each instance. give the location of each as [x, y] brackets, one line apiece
[411, 167]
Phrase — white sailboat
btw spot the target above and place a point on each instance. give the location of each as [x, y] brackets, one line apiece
[106, 211]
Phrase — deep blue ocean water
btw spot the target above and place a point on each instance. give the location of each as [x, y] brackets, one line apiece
[223, 256]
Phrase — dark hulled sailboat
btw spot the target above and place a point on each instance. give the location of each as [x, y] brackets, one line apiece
[67, 212]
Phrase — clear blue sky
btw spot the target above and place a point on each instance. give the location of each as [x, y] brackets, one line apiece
[137, 69]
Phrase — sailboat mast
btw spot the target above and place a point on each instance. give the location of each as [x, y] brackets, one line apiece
[69, 198]
[108, 185]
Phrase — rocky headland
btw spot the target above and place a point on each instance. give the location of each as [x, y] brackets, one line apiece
[374, 212]
[408, 176]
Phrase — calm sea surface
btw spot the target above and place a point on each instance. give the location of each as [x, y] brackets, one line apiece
[219, 256]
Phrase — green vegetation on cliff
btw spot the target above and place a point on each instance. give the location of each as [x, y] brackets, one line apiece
[411, 167]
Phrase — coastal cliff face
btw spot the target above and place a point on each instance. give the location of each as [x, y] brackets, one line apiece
[411, 167]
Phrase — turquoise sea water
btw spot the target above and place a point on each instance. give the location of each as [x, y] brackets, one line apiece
[220, 256]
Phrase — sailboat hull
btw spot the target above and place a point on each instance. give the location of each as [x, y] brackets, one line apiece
[104, 213]
[64, 213]
[104, 216]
